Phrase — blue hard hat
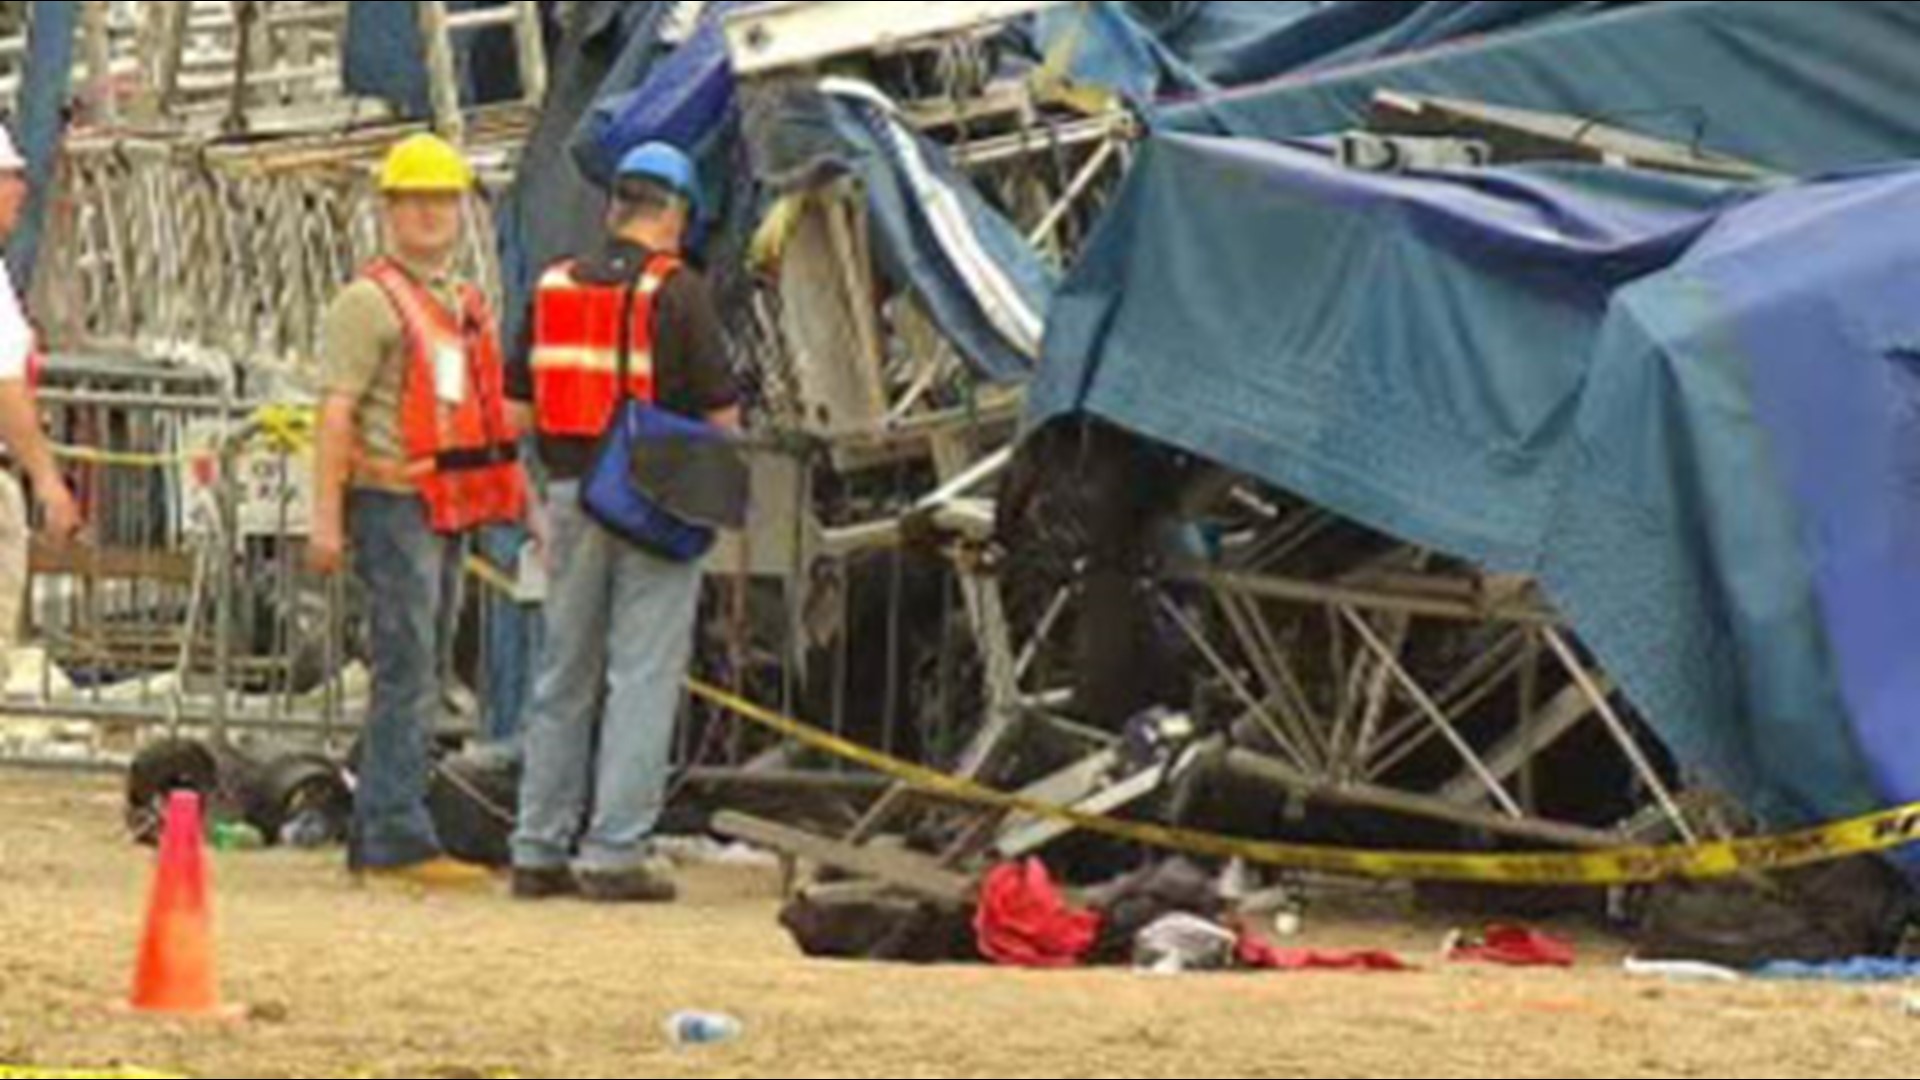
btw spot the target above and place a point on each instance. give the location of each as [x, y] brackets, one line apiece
[664, 165]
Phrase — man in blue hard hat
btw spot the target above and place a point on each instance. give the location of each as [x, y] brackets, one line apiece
[627, 319]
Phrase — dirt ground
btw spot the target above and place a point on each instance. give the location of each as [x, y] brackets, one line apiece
[348, 982]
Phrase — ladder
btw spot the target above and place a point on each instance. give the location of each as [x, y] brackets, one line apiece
[442, 29]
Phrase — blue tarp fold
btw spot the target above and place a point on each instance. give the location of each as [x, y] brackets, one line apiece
[1801, 88]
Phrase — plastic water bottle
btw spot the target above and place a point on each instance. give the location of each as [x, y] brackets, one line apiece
[309, 830]
[703, 1029]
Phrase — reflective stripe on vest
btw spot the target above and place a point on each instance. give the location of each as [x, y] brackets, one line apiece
[576, 348]
[461, 455]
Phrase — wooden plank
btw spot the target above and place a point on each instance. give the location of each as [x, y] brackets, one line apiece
[912, 873]
[831, 323]
[1023, 837]
[113, 564]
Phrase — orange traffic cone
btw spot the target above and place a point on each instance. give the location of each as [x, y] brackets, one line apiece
[175, 976]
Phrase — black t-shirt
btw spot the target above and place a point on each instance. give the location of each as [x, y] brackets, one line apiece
[693, 370]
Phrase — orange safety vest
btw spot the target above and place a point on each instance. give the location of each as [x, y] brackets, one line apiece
[36, 360]
[576, 347]
[461, 453]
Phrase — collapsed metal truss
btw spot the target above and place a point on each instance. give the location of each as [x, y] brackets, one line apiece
[1356, 678]
[1343, 671]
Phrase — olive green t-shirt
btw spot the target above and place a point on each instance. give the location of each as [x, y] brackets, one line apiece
[363, 355]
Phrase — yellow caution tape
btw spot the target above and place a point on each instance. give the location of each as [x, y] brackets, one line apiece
[1877, 834]
[114, 459]
[491, 576]
[12, 1073]
[288, 429]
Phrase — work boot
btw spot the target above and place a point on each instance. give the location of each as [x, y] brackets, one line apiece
[437, 873]
[640, 885]
[544, 884]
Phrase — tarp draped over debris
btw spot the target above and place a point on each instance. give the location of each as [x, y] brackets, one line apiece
[1685, 410]
[1156, 50]
[1810, 299]
[1689, 408]
[1802, 88]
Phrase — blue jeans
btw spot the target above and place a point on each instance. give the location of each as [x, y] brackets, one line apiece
[619, 631]
[410, 577]
[513, 643]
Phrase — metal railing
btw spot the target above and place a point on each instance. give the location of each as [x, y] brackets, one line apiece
[186, 605]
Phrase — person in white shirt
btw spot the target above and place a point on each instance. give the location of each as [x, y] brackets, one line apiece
[26, 447]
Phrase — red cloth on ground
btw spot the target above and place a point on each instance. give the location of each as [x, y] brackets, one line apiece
[1513, 946]
[1262, 956]
[1025, 921]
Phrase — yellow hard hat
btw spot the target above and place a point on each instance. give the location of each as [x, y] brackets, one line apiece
[425, 164]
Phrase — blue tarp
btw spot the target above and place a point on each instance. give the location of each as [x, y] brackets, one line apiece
[686, 99]
[1815, 296]
[1241, 41]
[1802, 88]
[385, 57]
[682, 93]
[39, 123]
[1149, 50]
[552, 210]
[1705, 446]
[1690, 409]
[911, 255]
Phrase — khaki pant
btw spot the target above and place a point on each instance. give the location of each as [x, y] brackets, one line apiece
[14, 536]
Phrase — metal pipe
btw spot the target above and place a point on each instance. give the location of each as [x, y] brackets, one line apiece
[1260, 768]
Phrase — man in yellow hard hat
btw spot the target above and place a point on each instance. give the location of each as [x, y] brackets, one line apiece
[416, 450]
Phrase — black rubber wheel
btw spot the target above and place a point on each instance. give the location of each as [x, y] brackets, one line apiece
[160, 770]
[303, 788]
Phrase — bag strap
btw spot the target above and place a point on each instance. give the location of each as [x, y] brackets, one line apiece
[629, 299]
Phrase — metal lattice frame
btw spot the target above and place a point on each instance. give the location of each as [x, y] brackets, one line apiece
[1377, 675]
[180, 249]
